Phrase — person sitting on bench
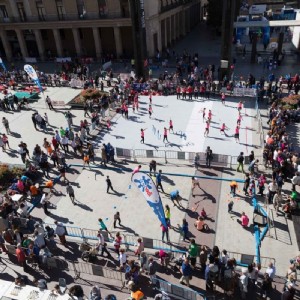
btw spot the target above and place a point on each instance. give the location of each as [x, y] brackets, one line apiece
[200, 225]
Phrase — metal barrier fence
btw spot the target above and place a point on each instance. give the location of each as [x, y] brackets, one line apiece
[246, 259]
[218, 160]
[178, 291]
[130, 241]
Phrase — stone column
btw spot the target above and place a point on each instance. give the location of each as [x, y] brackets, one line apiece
[40, 43]
[22, 42]
[57, 39]
[97, 41]
[170, 31]
[166, 33]
[77, 41]
[173, 30]
[159, 41]
[183, 30]
[118, 41]
[177, 25]
[6, 45]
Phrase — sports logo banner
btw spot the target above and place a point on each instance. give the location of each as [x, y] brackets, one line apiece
[147, 187]
[32, 74]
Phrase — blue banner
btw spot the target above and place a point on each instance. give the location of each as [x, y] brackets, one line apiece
[147, 187]
[2, 65]
[32, 74]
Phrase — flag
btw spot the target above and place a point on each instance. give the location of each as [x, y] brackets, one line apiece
[32, 74]
[2, 64]
[147, 187]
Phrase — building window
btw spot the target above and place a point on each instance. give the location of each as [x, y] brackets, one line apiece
[60, 10]
[125, 8]
[81, 9]
[41, 10]
[102, 8]
[21, 10]
[3, 12]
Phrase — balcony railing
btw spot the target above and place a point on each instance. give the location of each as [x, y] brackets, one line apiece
[171, 4]
[65, 17]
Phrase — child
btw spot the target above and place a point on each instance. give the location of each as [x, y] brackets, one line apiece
[203, 213]
[223, 98]
[143, 261]
[46, 118]
[252, 188]
[86, 160]
[230, 206]
[233, 187]
[140, 247]
[238, 122]
[184, 229]
[150, 111]
[223, 127]
[171, 126]
[122, 258]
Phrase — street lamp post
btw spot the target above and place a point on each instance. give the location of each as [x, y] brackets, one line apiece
[139, 35]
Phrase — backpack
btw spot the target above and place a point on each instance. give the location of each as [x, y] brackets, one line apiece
[240, 159]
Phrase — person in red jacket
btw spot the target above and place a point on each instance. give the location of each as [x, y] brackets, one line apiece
[21, 257]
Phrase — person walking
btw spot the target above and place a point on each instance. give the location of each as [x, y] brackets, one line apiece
[103, 226]
[152, 167]
[70, 192]
[49, 103]
[158, 181]
[152, 268]
[21, 257]
[186, 272]
[171, 126]
[206, 132]
[240, 160]
[230, 206]
[168, 215]
[183, 229]
[233, 187]
[203, 114]
[223, 98]
[165, 135]
[34, 121]
[6, 125]
[246, 185]
[208, 156]
[117, 218]
[150, 111]
[143, 135]
[109, 185]
[195, 183]
[193, 252]
[60, 230]
[164, 232]
[5, 141]
[237, 134]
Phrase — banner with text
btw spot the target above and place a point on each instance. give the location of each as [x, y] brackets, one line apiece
[147, 187]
